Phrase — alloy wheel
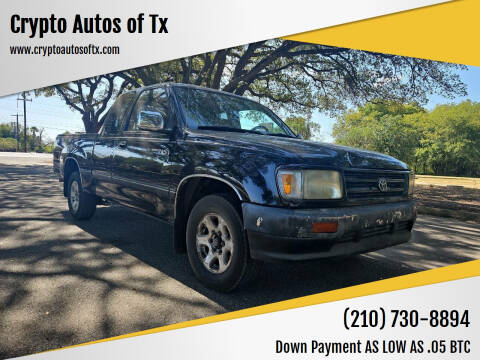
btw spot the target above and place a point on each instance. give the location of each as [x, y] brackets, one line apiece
[214, 243]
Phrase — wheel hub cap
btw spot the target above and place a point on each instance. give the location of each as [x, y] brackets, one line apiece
[214, 243]
[75, 196]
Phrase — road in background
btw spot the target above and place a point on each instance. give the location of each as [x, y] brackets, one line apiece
[64, 282]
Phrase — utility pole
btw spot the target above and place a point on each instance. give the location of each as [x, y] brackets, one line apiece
[17, 135]
[24, 99]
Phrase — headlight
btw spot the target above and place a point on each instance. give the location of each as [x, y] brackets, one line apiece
[310, 184]
[322, 184]
[411, 183]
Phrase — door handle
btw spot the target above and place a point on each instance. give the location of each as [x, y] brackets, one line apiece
[122, 143]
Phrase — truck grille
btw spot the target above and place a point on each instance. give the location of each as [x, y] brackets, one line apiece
[375, 184]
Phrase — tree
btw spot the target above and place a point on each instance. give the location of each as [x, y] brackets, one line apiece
[7, 138]
[6, 131]
[90, 97]
[34, 131]
[285, 75]
[301, 126]
[450, 143]
[40, 134]
[388, 127]
[34, 142]
[8, 144]
[300, 77]
[444, 141]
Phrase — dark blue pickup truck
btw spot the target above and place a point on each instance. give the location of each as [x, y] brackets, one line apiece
[238, 186]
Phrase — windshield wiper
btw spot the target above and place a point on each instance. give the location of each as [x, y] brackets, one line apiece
[232, 129]
[227, 128]
[280, 134]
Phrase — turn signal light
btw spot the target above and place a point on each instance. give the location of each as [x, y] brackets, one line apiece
[325, 227]
[287, 183]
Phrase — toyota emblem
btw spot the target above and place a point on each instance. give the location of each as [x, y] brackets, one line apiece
[382, 184]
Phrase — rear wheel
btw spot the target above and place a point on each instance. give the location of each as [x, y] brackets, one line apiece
[82, 205]
[216, 245]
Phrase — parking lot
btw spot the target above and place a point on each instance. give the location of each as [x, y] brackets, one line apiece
[64, 282]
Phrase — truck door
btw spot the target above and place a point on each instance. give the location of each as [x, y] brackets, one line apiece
[105, 142]
[141, 157]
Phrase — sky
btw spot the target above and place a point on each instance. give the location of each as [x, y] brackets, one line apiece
[55, 117]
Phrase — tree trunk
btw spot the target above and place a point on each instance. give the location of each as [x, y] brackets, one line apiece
[89, 123]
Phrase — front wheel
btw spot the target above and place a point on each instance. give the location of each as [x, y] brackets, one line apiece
[82, 205]
[216, 245]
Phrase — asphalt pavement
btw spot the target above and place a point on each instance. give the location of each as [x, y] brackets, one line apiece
[65, 282]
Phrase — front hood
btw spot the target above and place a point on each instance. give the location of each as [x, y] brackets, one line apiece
[305, 152]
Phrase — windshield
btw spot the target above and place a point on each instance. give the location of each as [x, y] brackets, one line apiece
[205, 110]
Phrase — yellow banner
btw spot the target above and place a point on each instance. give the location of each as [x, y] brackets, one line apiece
[445, 32]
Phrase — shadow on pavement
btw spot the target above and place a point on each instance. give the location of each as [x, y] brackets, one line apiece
[64, 282]
[150, 241]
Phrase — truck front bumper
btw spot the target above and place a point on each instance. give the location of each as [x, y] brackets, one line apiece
[286, 234]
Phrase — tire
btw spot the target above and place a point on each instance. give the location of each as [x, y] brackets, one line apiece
[216, 245]
[82, 205]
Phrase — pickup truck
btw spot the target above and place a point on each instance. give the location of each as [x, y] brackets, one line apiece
[235, 182]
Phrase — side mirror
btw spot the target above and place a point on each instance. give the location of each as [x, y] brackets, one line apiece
[150, 121]
[299, 136]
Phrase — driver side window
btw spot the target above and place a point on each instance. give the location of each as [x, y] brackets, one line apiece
[151, 111]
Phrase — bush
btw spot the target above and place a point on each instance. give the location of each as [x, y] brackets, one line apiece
[46, 148]
[8, 144]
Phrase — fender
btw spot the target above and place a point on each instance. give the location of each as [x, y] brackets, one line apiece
[85, 174]
[80, 152]
[238, 189]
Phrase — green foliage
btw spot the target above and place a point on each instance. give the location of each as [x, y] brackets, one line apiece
[450, 142]
[47, 148]
[386, 127]
[6, 131]
[8, 144]
[445, 141]
[303, 127]
[35, 142]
